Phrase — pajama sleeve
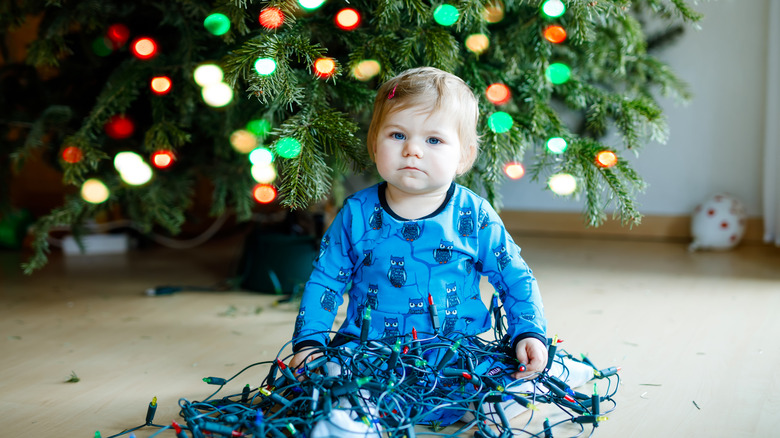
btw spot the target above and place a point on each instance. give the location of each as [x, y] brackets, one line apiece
[500, 261]
[324, 291]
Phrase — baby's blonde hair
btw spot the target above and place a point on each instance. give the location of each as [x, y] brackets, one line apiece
[423, 87]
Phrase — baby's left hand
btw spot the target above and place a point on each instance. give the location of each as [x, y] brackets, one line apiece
[533, 353]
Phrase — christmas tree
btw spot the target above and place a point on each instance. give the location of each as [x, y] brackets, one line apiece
[140, 101]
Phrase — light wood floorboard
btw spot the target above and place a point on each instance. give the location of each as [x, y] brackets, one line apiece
[688, 329]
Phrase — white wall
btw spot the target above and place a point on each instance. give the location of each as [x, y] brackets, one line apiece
[715, 142]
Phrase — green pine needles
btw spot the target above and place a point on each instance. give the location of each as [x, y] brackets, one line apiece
[609, 84]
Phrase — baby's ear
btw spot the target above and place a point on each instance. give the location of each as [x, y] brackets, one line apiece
[467, 157]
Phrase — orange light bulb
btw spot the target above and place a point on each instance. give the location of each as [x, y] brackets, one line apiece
[324, 67]
[606, 158]
[498, 94]
[555, 34]
[161, 84]
[264, 193]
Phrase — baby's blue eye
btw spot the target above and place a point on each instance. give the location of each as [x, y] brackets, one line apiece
[434, 140]
[398, 136]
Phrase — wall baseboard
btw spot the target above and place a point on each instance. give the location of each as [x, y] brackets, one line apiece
[568, 224]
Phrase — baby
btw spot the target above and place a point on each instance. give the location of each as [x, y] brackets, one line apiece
[413, 248]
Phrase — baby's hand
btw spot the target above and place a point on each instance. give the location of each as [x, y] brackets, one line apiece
[301, 358]
[533, 353]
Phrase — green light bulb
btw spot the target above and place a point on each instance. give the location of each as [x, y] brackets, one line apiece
[556, 145]
[217, 24]
[500, 122]
[553, 8]
[446, 15]
[288, 147]
[558, 73]
[259, 127]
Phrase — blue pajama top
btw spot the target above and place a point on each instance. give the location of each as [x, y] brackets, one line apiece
[391, 264]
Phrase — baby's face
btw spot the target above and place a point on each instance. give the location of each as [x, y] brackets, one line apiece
[419, 151]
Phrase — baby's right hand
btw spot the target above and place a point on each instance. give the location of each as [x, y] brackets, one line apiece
[304, 356]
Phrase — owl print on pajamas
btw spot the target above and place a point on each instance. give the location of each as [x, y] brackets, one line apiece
[391, 327]
[299, 321]
[344, 274]
[368, 257]
[397, 273]
[483, 219]
[450, 319]
[452, 295]
[411, 231]
[375, 221]
[416, 306]
[443, 253]
[466, 222]
[323, 246]
[502, 257]
[328, 300]
[372, 296]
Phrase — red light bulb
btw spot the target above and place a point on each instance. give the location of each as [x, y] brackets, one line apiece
[144, 48]
[498, 94]
[606, 159]
[271, 18]
[347, 19]
[163, 159]
[119, 127]
[72, 154]
[118, 34]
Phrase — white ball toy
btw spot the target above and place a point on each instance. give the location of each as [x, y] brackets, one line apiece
[718, 223]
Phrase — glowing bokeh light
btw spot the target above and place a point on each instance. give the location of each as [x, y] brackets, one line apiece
[265, 66]
[606, 158]
[163, 159]
[264, 193]
[217, 95]
[161, 84]
[217, 24]
[243, 141]
[347, 19]
[553, 8]
[72, 154]
[562, 184]
[94, 191]
[558, 73]
[271, 18]
[207, 74]
[138, 175]
[555, 34]
[132, 168]
[324, 67]
[366, 69]
[311, 5]
[446, 15]
[261, 156]
[264, 173]
[556, 145]
[493, 12]
[101, 46]
[118, 34]
[500, 122]
[288, 147]
[477, 43]
[126, 160]
[498, 94]
[259, 127]
[144, 48]
[514, 170]
[119, 127]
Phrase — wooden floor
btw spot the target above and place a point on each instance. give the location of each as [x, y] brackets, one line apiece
[697, 335]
